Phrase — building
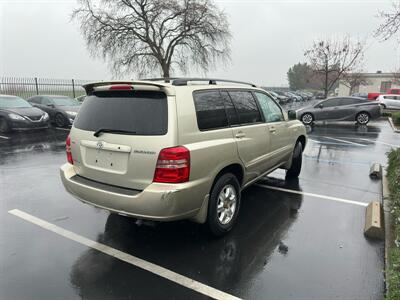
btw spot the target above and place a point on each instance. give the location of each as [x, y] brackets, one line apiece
[371, 83]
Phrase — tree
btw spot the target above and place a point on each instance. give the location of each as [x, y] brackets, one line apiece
[299, 76]
[155, 36]
[332, 59]
[353, 80]
[391, 22]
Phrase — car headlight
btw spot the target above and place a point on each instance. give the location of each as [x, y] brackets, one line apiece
[71, 113]
[45, 116]
[16, 117]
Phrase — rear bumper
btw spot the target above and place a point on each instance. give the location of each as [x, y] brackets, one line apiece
[159, 202]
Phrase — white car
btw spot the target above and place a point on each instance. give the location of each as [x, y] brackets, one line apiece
[389, 101]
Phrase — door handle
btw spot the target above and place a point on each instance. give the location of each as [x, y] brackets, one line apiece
[272, 129]
[240, 135]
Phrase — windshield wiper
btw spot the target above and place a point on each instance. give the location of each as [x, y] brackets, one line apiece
[101, 130]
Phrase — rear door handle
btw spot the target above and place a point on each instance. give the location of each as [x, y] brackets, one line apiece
[240, 135]
[272, 129]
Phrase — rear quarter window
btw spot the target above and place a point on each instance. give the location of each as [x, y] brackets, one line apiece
[142, 112]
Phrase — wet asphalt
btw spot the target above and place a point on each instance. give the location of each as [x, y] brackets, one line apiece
[285, 245]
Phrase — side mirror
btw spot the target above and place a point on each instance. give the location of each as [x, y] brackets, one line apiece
[320, 105]
[292, 115]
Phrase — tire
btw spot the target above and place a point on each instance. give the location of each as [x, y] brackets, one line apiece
[297, 160]
[225, 196]
[60, 120]
[307, 118]
[383, 106]
[4, 126]
[362, 118]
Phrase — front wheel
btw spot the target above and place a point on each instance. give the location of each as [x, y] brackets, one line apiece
[297, 160]
[307, 119]
[362, 118]
[60, 120]
[224, 204]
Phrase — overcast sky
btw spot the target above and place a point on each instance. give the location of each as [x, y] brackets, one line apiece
[38, 39]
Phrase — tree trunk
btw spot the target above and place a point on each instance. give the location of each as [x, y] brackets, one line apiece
[326, 82]
[165, 69]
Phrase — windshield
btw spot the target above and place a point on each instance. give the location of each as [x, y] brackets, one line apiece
[13, 102]
[65, 101]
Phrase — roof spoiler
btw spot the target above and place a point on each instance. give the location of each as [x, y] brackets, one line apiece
[89, 87]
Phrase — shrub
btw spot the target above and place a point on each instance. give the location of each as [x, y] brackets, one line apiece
[393, 270]
[396, 118]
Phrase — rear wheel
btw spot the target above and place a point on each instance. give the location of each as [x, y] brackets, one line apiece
[297, 160]
[224, 204]
[307, 118]
[362, 118]
[4, 127]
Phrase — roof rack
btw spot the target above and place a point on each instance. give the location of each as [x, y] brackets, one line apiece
[184, 81]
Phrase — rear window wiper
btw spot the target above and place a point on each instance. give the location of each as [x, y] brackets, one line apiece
[101, 130]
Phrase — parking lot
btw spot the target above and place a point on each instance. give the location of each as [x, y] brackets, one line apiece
[294, 240]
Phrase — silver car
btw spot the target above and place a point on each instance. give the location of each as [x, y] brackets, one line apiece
[340, 109]
[389, 101]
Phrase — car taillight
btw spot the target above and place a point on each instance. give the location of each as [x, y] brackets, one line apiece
[68, 149]
[173, 165]
[120, 87]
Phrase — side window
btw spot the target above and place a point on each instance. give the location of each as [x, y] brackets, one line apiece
[350, 101]
[46, 101]
[270, 110]
[210, 110]
[34, 100]
[246, 107]
[332, 102]
[230, 109]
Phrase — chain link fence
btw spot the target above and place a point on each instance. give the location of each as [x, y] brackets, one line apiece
[26, 87]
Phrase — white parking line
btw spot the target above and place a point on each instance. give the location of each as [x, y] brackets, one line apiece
[4, 137]
[343, 141]
[135, 261]
[372, 141]
[314, 195]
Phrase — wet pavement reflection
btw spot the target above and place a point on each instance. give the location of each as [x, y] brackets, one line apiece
[285, 246]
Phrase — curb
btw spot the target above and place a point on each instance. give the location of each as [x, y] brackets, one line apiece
[387, 222]
[392, 125]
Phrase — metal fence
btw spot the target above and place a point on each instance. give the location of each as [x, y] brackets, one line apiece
[27, 87]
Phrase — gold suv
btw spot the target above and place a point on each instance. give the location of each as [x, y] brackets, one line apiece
[171, 149]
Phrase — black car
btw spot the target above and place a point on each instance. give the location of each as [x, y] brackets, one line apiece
[61, 109]
[18, 114]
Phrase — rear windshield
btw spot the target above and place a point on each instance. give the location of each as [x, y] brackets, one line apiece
[141, 112]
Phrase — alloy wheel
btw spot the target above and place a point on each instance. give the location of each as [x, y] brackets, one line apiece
[226, 206]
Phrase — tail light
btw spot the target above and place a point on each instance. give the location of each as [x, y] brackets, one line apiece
[120, 87]
[68, 150]
[173, 165]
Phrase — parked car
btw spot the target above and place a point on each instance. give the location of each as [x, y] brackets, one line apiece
[360, 95]
[340, 109]
[320, 95]
[18, 114]
[296, 98]
[172, 150]
[278, 98]
[61, 109]
[282, 97]
[389, 101]
[373, 96]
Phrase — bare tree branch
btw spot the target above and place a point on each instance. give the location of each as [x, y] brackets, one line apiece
[146, 37]
[390, 24]
[332, 59]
